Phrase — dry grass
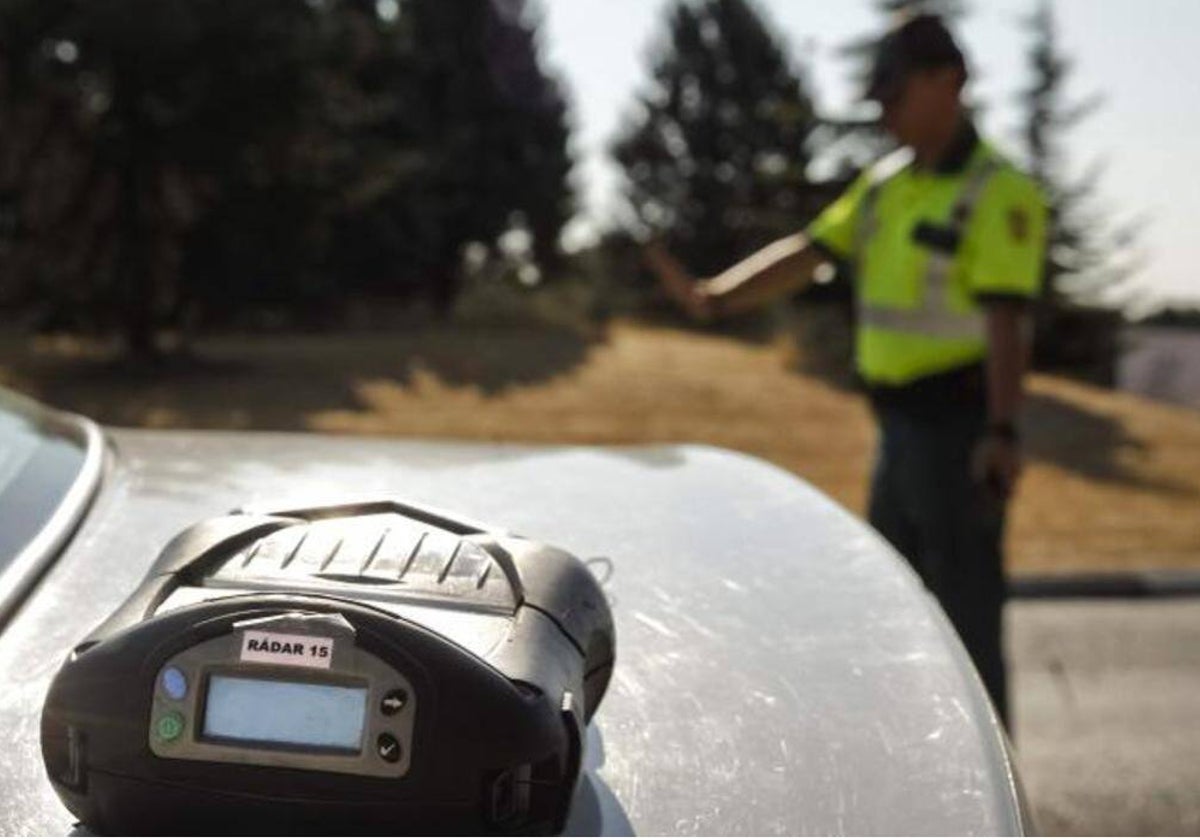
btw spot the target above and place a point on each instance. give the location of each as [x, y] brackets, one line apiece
[1114, 480]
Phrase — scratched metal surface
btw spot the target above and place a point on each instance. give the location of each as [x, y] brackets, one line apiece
[779, 669]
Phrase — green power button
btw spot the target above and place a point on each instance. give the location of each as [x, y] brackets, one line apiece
[170, 726]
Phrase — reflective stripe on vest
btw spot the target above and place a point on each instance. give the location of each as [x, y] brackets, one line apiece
[932, 316]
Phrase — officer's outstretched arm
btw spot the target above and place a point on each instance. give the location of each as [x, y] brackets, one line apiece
[785, 266]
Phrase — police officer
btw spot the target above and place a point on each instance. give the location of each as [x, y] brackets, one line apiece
[946, 241]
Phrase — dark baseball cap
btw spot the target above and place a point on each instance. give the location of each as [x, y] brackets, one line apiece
[920, 42]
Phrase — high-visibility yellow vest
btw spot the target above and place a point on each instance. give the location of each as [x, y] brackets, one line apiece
[928, 248]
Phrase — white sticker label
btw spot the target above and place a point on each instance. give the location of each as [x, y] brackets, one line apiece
[286, 649]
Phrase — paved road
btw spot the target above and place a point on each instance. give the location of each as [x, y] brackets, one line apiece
[1107, 713]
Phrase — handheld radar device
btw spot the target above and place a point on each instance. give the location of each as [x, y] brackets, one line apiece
[375, 668]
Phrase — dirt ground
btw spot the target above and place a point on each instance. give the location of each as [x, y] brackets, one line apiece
[1113, 479]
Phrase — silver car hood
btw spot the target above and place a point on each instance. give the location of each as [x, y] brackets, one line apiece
[779, 668]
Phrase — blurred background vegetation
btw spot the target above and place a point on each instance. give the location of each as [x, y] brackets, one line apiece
[174, 166]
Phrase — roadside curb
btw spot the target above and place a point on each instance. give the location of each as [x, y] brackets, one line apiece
[1149, 584]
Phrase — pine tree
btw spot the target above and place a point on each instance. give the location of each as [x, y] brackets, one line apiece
[163, 157]
[123, 121]
[716, 157]
[489, 127]
[1088, 259]
[541, 184]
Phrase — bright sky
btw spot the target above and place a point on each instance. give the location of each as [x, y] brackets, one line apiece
[1141, 54]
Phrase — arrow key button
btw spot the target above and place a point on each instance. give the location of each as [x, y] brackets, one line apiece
[393, 702]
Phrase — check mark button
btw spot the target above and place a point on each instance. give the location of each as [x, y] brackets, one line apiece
[388, 748]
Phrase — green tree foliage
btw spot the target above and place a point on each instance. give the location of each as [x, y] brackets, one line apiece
[1088, 259]
[123, 120]
[477, 147]
[160, 157]
[715, 158]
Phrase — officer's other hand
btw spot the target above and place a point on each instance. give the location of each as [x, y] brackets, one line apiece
[997, 465]
[678, 283]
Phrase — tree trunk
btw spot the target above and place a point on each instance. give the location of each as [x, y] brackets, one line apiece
[135, 290]
[447, 282]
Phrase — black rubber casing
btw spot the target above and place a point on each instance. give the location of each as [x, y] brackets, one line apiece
[497, 741]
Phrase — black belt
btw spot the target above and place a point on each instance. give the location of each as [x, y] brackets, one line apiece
[961, 388]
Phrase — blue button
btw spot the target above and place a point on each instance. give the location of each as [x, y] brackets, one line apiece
[174, 683]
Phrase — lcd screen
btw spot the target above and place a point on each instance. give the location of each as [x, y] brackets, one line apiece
[291, 713]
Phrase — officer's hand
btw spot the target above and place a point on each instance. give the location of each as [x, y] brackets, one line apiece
[679, 285]
[997, 464]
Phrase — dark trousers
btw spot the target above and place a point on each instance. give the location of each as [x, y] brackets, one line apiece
[949, 527]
